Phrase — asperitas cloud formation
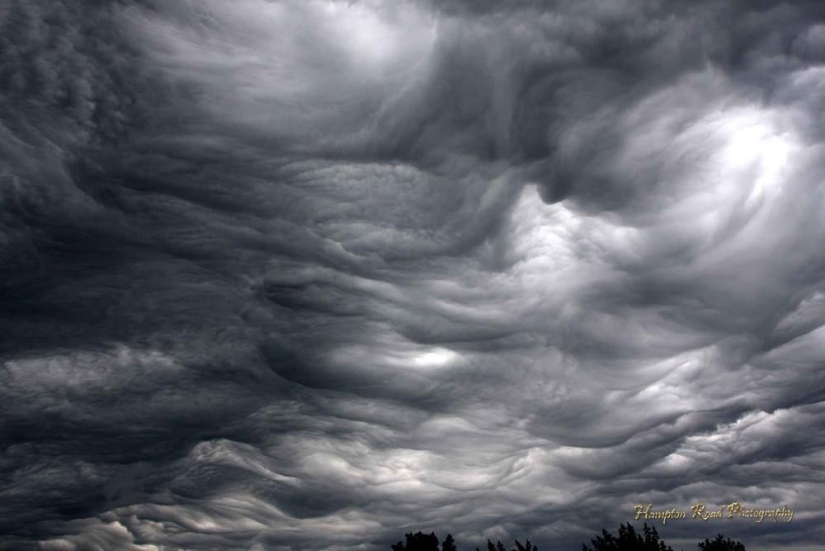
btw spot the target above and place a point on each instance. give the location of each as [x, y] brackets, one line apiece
[313, 274]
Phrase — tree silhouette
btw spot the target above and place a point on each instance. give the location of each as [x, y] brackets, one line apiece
[418, 542]
[526, 547]
[448, 544]
[721, 544]
[519, 547]
[629, 540]
[497, 547]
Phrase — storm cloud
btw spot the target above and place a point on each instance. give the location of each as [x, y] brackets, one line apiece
[311, 275]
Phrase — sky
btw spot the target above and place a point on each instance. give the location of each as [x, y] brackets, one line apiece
[281, 275]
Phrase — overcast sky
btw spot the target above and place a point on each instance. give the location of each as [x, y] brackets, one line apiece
[310, 274]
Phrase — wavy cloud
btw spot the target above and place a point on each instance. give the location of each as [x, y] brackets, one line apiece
[285, 274]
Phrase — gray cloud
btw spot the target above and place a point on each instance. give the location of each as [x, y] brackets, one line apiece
[312, 275]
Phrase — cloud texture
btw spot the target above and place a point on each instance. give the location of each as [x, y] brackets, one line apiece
[309, 275]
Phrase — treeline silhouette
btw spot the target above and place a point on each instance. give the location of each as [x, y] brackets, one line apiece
[627, 539]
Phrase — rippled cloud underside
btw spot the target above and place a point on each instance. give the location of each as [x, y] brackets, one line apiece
[313, 274]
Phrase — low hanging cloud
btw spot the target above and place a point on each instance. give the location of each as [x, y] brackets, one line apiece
[285, 274]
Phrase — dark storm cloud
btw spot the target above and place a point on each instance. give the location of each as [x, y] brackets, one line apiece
[311, 275]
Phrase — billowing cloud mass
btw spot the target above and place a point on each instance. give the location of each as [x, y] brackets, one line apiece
[313, 274]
